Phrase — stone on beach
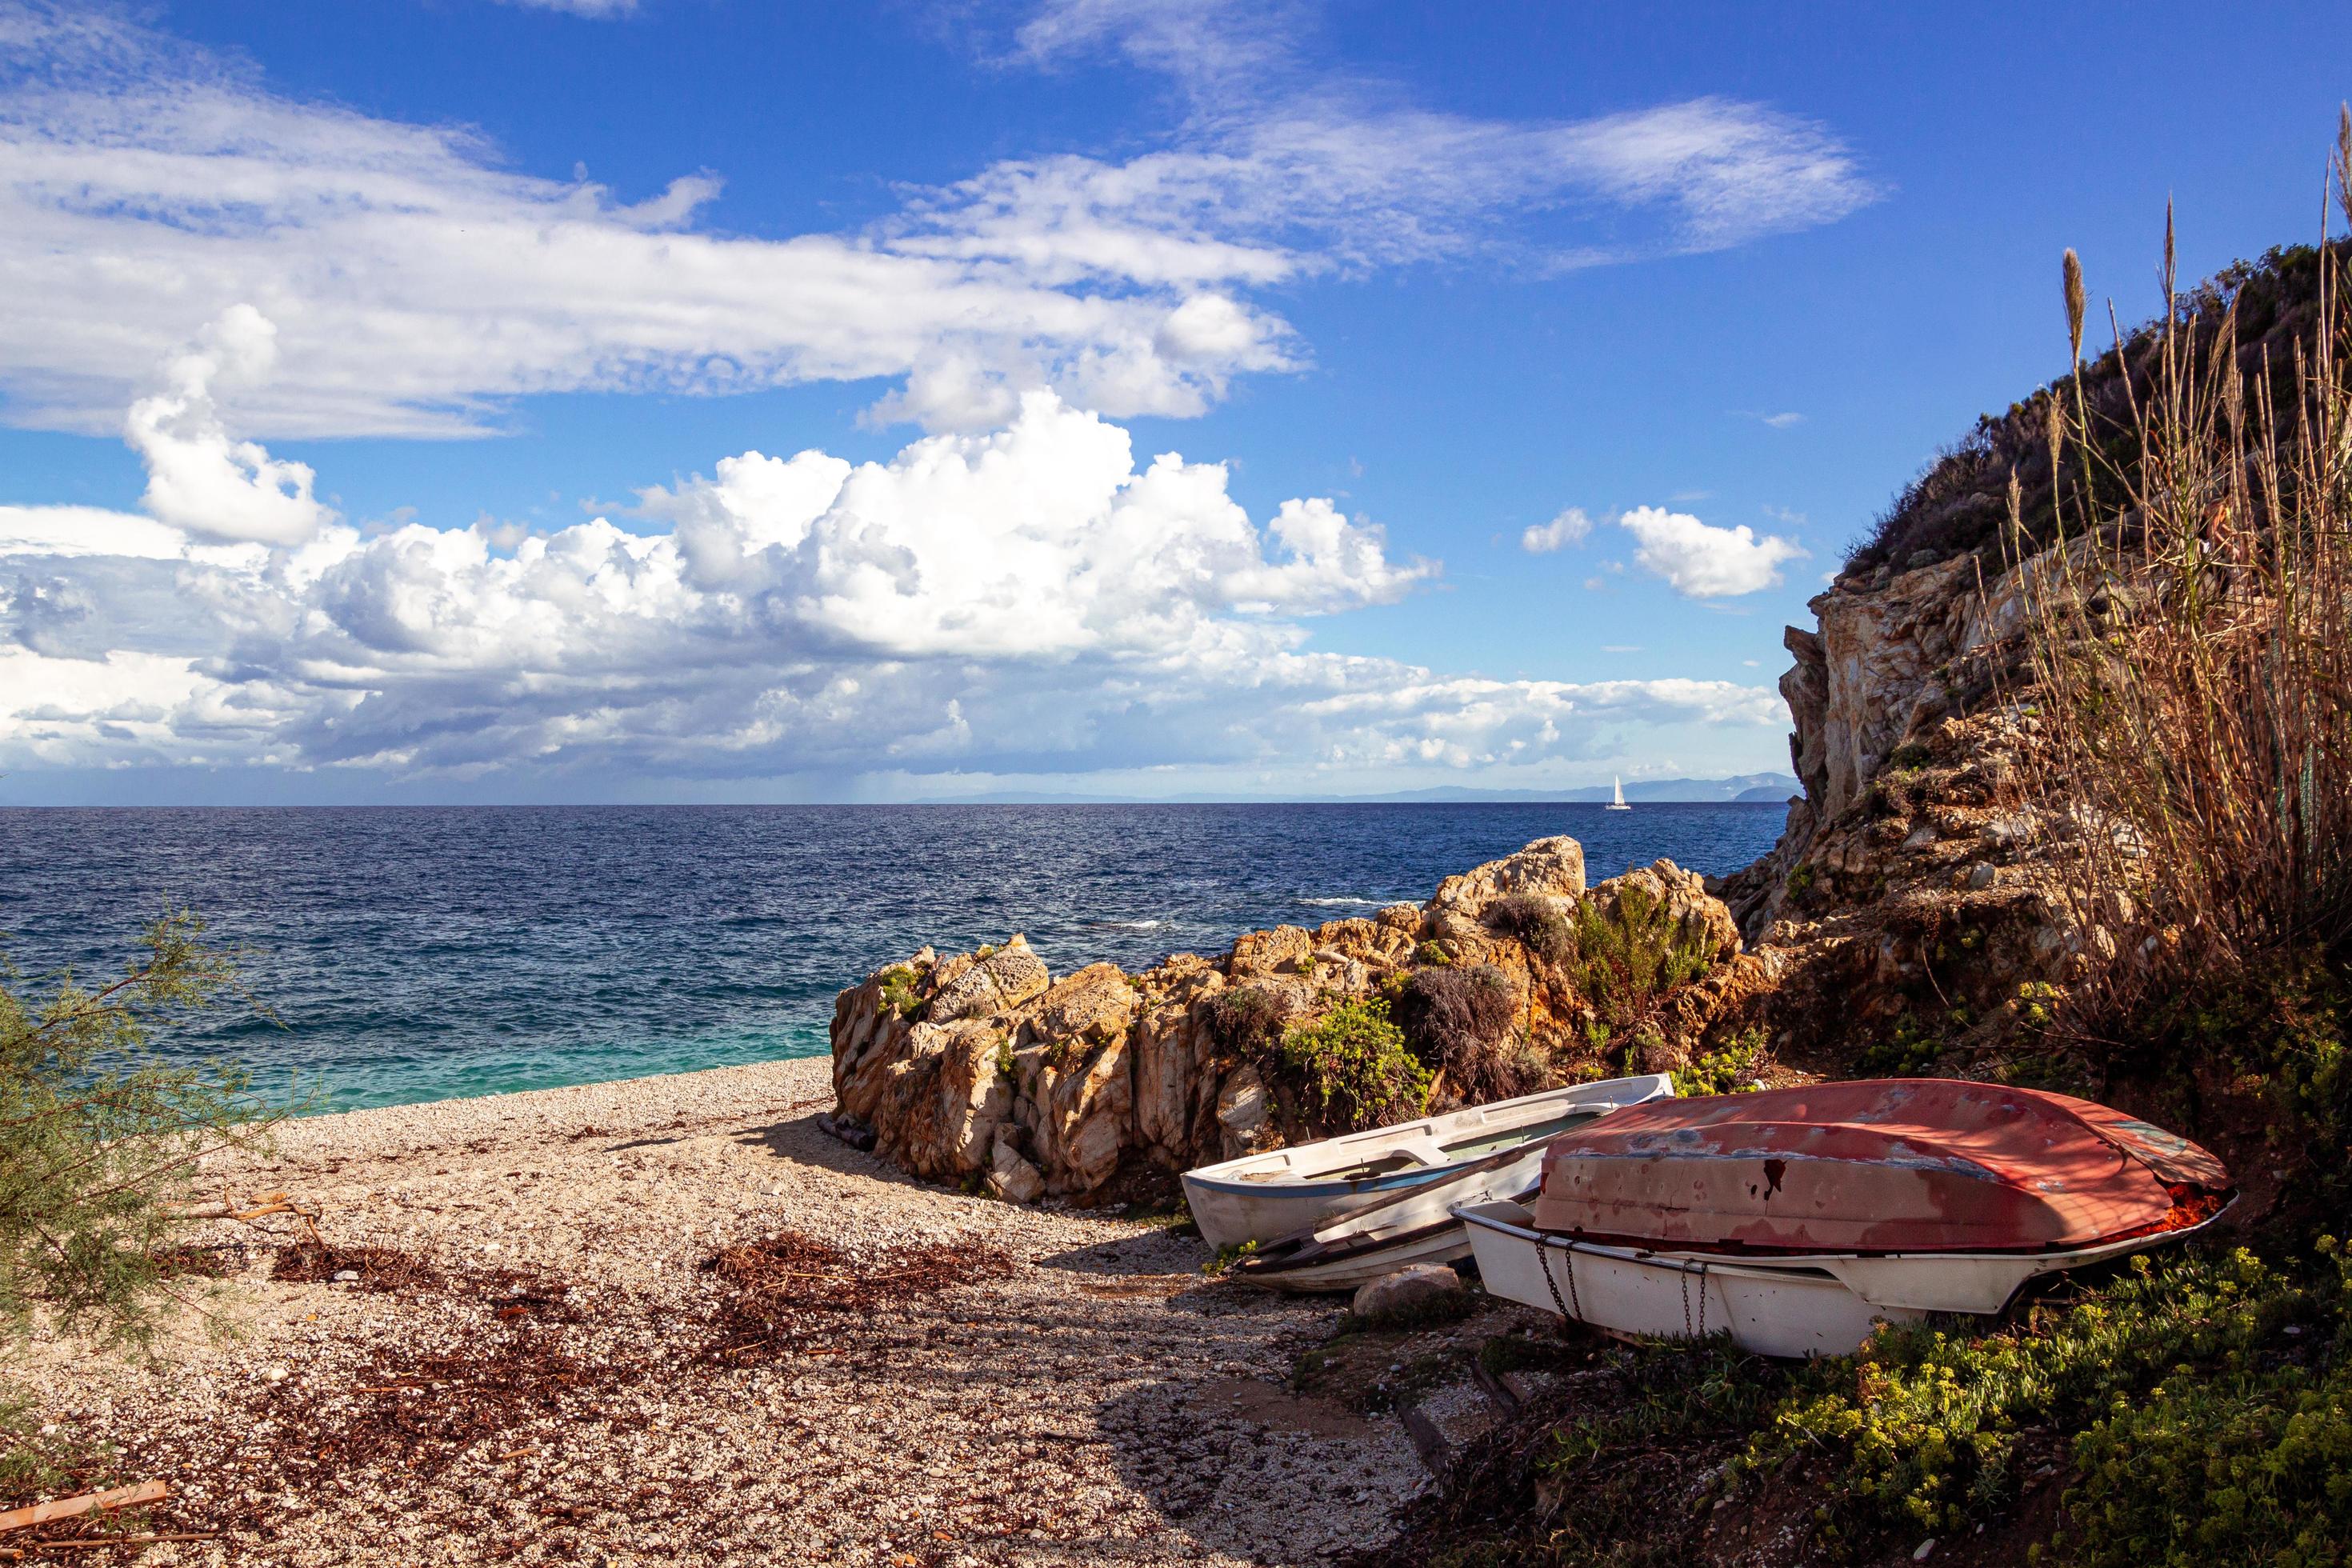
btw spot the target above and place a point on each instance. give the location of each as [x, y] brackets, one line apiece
[1409, 1289]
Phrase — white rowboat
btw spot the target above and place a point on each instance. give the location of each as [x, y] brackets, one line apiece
[1796, 1304]
[1287, 1192]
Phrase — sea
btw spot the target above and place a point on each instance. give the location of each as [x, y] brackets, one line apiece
[400, 955]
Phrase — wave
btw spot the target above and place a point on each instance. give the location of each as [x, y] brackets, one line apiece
[1127, 925]
[1358, 903]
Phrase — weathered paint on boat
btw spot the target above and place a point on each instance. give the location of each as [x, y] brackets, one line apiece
[1284, 1192]
[1894, 1165]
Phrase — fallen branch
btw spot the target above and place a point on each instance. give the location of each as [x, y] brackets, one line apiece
[72, 1507]
[266, 1206]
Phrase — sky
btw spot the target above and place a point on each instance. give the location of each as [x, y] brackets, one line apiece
[705, 400]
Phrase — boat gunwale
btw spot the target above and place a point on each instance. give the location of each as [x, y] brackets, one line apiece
[1221, 1176]
[1762, 1262]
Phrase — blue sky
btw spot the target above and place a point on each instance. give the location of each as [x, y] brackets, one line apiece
[327, 335]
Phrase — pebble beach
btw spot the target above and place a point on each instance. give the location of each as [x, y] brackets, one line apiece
[670, 1321]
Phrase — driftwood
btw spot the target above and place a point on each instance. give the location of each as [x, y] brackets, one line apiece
[69, 1507]
[263, 1207]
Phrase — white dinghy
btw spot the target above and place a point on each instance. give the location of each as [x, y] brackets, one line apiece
[1284, 1192]
[1791, 1304]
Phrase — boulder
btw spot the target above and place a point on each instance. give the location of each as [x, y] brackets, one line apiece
[996, 983]
[1549, 868]
[1075, 1091]
[1012, 1178]
[1412, 1288]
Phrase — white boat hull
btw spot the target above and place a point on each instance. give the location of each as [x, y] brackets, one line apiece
[1767, 1312]
[1796, 1305]
[1286, 1192]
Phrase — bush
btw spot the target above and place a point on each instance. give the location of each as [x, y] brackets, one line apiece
[1630, 957]
[898, 991]
[1467, 1022]
[1721, 1071]
[1245, 1021]
[1355, 1063]
[1536, 923]
[99, 1140]
[1926, 1422]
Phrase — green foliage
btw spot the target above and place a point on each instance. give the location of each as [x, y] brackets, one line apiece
[1909, 1052]
[1910, 756]
[1630, 957]
[898, 991]
[1004, 1060]
[1925, 1423]
[1432, 954]
[1355, 1063]
[1226, 1257]
[1722, 1071]
[2280, 1033]
[2245, 1464]
[99, 1139]
[1801, 879]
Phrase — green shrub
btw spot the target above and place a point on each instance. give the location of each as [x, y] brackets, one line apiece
[1355, 1063]
[1910, 1051]
[2236, 1465]
[1432, 954]
[1721, 1071]
[1630, 960]
[1925, 1422]
[898, 991]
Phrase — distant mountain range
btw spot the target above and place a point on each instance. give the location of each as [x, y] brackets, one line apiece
[1772, 788]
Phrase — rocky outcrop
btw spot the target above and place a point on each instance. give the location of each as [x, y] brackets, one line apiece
[983, 1070]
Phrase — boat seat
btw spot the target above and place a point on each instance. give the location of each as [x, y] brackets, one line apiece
[1424, 1149]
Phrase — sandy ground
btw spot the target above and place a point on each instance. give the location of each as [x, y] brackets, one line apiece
[540, 1364]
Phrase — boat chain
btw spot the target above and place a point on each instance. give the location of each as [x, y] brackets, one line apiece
[1702, 1300]
[1543, 1257]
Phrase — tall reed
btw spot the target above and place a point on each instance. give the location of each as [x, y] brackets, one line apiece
[2188, 636]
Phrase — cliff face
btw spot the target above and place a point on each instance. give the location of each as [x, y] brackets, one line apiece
[982, 1068]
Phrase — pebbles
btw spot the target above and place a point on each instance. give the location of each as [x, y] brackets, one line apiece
[962, 1381]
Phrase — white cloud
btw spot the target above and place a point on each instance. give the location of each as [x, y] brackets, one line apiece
[1571, 527]
[1705, 563]
[1782, 421]
[1029, 598]
[415, 283]
[198, 478]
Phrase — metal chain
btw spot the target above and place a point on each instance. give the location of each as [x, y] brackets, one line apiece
[1700, 1332]
[1543, 1258]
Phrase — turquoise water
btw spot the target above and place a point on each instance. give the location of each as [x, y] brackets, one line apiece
[422, 953]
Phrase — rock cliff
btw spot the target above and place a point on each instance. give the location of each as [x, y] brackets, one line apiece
[982, 1069]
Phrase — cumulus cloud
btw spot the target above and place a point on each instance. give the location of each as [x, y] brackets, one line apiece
[1571, 527]
[198, 479]
[415, 283]
[1031, 598]
[1705, 563]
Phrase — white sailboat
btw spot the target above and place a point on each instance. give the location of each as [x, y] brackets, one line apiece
[1619, 803]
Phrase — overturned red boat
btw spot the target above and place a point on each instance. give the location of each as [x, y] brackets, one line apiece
[1874, 1166]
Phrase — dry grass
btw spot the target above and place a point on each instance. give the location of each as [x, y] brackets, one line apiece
[2189, 650]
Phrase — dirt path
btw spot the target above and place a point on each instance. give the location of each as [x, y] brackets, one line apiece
[529, 1357]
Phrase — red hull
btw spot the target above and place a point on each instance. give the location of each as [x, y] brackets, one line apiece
[1873, 1165]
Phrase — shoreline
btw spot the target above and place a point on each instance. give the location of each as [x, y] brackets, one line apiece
[518, 1351]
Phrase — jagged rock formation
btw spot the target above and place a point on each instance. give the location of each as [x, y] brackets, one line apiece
[982, 1069]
